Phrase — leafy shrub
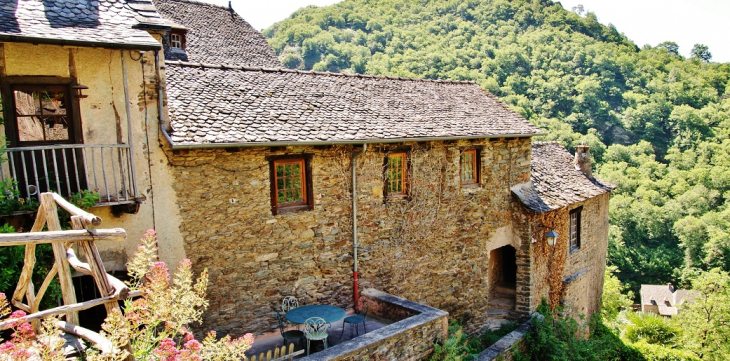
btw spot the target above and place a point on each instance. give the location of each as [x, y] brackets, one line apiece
[650, 328]
[459, 347]
[559, 338]
[654, 352]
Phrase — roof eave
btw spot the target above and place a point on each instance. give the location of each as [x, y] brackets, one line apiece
[337, 142]
[67, 42]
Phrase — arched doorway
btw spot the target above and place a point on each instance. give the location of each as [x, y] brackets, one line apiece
[502, 285]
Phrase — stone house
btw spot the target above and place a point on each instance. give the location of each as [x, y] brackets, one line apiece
[284, 182]
[663, 300]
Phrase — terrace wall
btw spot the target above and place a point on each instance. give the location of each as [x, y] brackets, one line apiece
[411, 338]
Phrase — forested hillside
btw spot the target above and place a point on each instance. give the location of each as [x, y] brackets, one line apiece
[658, 123]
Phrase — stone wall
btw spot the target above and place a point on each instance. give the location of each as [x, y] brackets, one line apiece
[507, 346]
[411, 338]
[432, 248]
[573, 279]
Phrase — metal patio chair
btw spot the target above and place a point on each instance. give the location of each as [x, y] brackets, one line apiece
[289, 303]
[291, 334]
[315, 329]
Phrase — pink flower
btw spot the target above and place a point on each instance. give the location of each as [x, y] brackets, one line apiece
[188, 336]
[6, 347]
[25, 330]
[192, 345]
[21, 354]
[167, 350]
[248, 338]
[18, 314]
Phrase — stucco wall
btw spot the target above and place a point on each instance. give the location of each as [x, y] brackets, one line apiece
[431, 249]
[104, 121]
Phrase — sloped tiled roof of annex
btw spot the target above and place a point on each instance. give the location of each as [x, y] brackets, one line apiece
[216, 34]
[554, 181]
[80, 22]
[659, 293]
[210, 104]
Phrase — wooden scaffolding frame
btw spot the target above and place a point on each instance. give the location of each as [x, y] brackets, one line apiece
[110, 288]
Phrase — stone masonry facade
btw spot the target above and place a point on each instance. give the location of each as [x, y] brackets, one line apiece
[432, 247]
[572, 279]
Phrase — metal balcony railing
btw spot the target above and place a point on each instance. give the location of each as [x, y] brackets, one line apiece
[66, 169]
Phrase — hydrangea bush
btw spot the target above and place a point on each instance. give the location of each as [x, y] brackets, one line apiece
[151, 327]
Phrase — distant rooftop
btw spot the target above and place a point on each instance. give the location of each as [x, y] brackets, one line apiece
[105, 23]
[666, 298]
[215, 34]
[554, 181]
[213, 104]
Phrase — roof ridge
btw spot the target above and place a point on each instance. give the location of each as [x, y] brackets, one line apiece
[546, 142]
[203, 3]
[327, 73]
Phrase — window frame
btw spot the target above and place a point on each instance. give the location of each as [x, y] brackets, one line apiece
[476, 168]
[405, 179]
[9, 84]
[182, 39]
[307, 203]
[574, 239]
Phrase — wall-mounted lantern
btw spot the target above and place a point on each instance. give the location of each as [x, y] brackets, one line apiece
[78, 88]
[551, 237]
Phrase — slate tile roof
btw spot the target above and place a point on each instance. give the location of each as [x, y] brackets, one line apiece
[554, 181]
[216, 35]
[78, 22]
[214, 104]
[666, 300]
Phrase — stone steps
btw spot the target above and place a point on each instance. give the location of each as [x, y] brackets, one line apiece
[505, 296]
[495, 324]
[502, 303]
[497, 313]
[506, 290]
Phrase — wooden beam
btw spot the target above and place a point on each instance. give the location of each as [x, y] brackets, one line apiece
[68, 293]
[65, 309]
[100, 342]
[118, 287]
[24, 239]
[86, 217]
[24, 281]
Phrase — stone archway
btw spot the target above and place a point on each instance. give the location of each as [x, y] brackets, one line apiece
[502, 285]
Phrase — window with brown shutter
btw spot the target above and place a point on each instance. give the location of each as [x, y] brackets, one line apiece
[574, 230]
[469, 167]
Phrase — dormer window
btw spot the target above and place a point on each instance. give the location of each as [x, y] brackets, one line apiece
[177, 40]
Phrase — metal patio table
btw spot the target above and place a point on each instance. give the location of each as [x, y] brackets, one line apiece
[328, 313]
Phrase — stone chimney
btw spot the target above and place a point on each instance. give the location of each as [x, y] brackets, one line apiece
[582, 160]
[671, 287]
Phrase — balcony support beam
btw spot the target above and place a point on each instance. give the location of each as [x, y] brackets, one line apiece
[128, 107]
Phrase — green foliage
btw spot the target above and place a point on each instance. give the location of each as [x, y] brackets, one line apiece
[706, 316]
[85, 199]
[615, 296]
[557, 337]
[652, 352]
[459, 347]
[650, 328]
[10, 200]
